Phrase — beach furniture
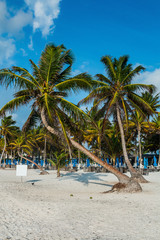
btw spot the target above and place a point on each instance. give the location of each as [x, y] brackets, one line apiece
[155, 161]
[137, 161]
[42, 163]
[145, 163]
[121, 161]
[9, 163]
[88, 162]
[117, 162]
[23, 161]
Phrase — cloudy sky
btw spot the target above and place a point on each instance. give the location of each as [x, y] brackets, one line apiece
[91, 28]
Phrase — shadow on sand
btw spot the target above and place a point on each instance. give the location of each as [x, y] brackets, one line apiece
[34, 181]
[86, 178]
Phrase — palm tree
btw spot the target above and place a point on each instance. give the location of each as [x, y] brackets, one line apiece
[47, 89]
[154, 134]
[118, 96]
[7, 129]
[153, 101]
[138, 123]
[93, 133]
[59, 161]
[22, 146]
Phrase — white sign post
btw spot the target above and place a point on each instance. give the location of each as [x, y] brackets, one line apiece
[21, 171]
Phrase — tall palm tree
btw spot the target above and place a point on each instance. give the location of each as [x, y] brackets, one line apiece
[47, 88]
[137, 123]
[7, 129]
[118, 96]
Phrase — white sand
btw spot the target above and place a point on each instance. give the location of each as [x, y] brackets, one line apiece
[46, 210]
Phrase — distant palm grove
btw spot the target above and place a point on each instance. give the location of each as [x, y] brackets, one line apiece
[121, 122]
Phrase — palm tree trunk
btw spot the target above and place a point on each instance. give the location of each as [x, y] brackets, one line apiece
[79, 156]
[125, 184]
[134, 174]
[29, 161]
[159, 151]
[121, 177]
[45, 144]
[70, 156]
[58, 171]
[139, 143]
[5, 143]
[21, 157]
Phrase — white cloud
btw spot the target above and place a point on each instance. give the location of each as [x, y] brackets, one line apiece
[82, 68]
[30, 45]
[7, 50]
[44, 14]
[23, 52]
[150, 77]
[19, 21]
[13, 24]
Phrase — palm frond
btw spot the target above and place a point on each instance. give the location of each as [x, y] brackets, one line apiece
[15, 103]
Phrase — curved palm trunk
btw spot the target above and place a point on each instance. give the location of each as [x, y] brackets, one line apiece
[5, 144]
[121, 177]
[40, 168]
[133, 172]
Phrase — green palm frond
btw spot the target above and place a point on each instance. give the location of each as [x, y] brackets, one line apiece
[15, 103]
[135, 87]
[9, 77]
[31, 121]
[108, 62]
[139, 101]
[132, 74]
[71, 109]
[81, 81]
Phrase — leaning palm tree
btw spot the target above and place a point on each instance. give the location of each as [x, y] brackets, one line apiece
[7, 129]
[22, 146]
[47, 88]
[118, 96]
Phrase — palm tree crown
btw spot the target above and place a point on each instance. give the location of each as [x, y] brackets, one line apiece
[117, 95]
[47, 86]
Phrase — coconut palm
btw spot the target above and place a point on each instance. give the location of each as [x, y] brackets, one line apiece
[153, 101]
[137, 123]
[154, 135]
[24, 146]
[46, 89]
[7, 129]
[59, 161]
[118, 96]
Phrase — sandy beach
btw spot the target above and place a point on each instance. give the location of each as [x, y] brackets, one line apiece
[73, 207]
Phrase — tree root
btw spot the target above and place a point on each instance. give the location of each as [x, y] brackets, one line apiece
[138, 177]
[44, 172]
[131, 186]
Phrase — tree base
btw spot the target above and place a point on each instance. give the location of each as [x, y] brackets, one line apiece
[138, 177]
[130, 187]
[44, 173]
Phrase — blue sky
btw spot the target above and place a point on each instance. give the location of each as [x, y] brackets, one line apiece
[91, 28]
